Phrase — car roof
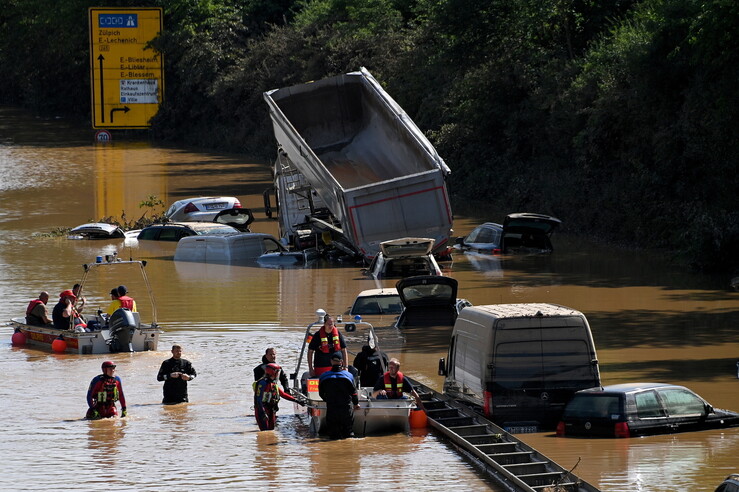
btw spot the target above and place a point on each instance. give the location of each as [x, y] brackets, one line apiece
[387, 291]
[630, 387]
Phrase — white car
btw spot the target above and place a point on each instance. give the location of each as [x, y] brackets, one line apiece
[200, 209]
[406, 257]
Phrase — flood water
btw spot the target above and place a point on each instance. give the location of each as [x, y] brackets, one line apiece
[651, 321]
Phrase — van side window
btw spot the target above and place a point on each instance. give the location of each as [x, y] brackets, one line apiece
[647, 405]
[681, 402]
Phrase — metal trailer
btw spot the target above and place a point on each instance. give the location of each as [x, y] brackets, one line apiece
[364, 158]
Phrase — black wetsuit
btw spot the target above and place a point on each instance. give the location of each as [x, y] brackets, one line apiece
[369, 364]
[175, 389]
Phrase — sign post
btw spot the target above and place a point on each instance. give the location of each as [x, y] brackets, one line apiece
[126, 76]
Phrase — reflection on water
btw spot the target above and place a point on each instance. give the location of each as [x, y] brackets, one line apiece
[650, 321]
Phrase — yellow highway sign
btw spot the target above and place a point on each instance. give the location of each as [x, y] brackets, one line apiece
[126, 76]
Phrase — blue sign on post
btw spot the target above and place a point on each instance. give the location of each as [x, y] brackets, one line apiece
[118, 20]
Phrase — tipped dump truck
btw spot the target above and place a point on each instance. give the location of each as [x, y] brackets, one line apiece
[356, 165]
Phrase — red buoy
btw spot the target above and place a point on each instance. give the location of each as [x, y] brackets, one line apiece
[418, 419]
[18, 338]
[59, 345]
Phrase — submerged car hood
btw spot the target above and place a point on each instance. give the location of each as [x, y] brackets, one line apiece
[427, 290]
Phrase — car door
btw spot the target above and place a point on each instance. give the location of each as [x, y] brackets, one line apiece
[685, 410]
[650, 417]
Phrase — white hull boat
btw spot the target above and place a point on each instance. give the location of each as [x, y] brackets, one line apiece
[121, 332]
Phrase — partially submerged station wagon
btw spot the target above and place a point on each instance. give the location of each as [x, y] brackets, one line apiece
[635, 409]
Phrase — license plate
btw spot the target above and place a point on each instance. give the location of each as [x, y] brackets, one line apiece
[215, 206]
[522, 429]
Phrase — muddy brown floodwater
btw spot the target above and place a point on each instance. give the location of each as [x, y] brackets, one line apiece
[651, 321]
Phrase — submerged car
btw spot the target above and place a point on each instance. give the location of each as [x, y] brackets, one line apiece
[406, 257]
[429, 300]
[520, 232]
[636, 409]
[200, 209]
[238, 248]
[96, 230]
[376, 302]
[174, 231]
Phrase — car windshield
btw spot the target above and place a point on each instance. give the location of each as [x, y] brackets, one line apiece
[408, 267]
[602, 406]
[377, 305]
[484, 235]
[428, 291]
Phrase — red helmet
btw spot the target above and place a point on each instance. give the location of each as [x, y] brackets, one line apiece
[272, 370]
[67, 293]
[108, 363]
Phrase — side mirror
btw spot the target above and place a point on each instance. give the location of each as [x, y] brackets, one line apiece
[459, 240]
[442, 367]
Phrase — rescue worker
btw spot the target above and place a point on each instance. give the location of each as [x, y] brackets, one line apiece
[269, 357]
[336, 388]
[322, 344]
[37, 313]
[175, 372]
[63, 312]
[120, 300]
[393, 384]
[371, 364]
[105, 389]
[267, 397]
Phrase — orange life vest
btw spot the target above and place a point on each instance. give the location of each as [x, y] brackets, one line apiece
[32, 305]
[394, 390]
[324, 340]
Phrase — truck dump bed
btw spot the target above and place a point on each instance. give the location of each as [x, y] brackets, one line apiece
[364, 157]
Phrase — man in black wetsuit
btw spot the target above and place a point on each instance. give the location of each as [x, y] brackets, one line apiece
[371, 364]
[175, 372]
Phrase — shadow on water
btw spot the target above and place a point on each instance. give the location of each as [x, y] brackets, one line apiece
[675, 370]
[662, 329]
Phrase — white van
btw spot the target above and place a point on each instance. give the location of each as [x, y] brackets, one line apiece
[521, 363]
[235, 248]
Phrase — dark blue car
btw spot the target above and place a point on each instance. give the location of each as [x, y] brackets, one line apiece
[636, 409]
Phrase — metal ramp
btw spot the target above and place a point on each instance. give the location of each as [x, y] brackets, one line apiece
[508, 461]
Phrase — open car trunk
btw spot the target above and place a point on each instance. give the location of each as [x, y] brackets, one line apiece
[528, 232]
[429, 300]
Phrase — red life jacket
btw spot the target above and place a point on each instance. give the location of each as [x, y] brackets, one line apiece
[32, 305]
[324, 340]
[108, 392]
[126, 302]
[394, 390]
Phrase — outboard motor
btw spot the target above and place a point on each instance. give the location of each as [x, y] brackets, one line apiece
[121, 325]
